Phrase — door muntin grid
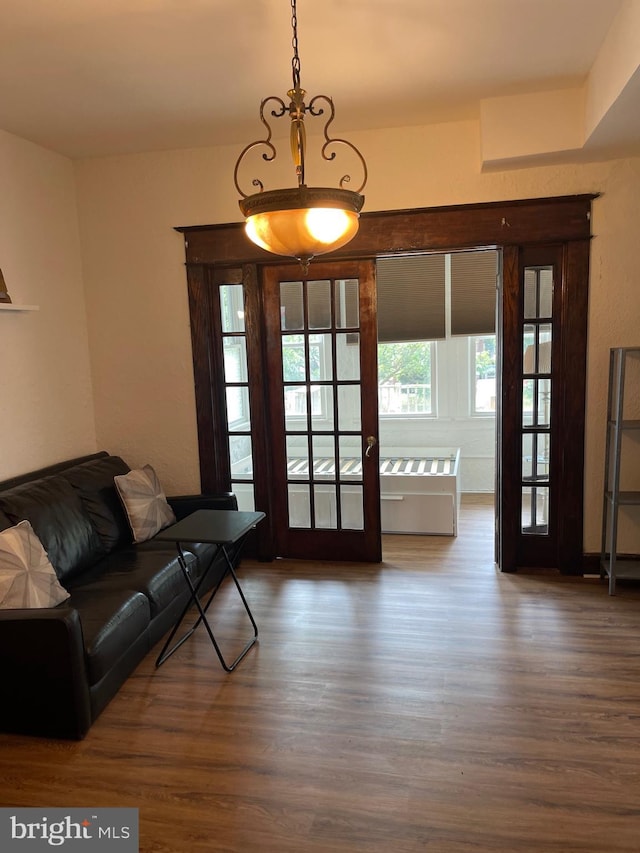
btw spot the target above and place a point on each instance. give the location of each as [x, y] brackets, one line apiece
[537, 342]
[320, 348]
[236, 394]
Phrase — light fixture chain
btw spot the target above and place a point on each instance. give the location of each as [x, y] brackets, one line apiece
[295, 62]
[306, 221]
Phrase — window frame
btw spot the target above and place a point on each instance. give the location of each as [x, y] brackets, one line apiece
[433, 386]
[473, 378]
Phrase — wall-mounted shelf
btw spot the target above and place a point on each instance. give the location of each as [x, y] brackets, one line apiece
[9, 306]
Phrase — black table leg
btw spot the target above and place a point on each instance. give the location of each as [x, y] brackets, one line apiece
[194, 598]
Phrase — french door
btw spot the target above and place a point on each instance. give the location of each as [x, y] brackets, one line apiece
[321, 377]
[254, 419]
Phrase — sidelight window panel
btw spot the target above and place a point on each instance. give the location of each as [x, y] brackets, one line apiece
[245, 496]
[240, 457]
[537, 337]
[535, 457]
[543, 411]
[538, 292]
[535, 510]
[238, 416]
[232, 308]
[235, 358]
[236, 394]
[545, 290]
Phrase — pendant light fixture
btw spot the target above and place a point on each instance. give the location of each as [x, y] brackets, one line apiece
[300, 222]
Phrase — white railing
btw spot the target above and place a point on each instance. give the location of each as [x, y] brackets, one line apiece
[295, 401]
[404, 399]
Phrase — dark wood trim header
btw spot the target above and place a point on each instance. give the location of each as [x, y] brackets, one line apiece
[506, 223]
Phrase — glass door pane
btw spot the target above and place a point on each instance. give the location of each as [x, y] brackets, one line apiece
[322, 378]
[537, 338]
[321, 375]
[236, 394]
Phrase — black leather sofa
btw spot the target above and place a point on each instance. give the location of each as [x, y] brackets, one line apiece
[60, 666]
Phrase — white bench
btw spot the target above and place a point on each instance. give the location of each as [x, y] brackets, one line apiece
[419, 490]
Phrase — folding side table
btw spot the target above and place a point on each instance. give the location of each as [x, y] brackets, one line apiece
[222, 528]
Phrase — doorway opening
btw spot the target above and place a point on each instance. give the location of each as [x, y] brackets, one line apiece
[544, 245]
[438, 346]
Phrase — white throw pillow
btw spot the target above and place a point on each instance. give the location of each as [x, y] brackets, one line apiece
[144, 502]
[27, 578]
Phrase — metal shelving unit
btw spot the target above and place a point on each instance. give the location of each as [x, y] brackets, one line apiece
[621, 422]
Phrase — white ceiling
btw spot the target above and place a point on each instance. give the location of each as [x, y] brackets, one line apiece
[98, 77]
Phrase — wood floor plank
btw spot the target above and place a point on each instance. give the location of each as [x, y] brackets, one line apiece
[429, 703]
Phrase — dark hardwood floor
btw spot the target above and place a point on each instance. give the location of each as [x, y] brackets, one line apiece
[425, 704]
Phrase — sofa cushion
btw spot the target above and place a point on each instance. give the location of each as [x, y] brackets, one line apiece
[4, 521]
[59, 520]
[93, 481]
[48, 471]
[144, 502]
[111, 622]
[154, 572]
[202, 550]
[27, 578]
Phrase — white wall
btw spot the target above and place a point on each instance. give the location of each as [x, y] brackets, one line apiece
[46, 408]
[136, 285]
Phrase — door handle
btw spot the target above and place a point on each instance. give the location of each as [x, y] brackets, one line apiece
[371, 443]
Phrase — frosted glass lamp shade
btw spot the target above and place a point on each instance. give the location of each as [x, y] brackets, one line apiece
[304, 222]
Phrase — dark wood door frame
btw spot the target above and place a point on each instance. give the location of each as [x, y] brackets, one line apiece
[563, 547]
[214, 251]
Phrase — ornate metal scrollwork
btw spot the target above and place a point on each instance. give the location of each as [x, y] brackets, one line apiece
[268, 155]
[300, 222]
[296, 111]
[318, 111]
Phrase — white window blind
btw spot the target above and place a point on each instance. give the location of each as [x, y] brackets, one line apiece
[473, 292]
[411, 298]
[412, 295]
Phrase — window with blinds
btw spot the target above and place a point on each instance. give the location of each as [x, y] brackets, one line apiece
[411, 298]
[473, 292]
[415, 291]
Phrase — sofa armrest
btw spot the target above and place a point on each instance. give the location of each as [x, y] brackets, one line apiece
[184, 505]
[43, 673]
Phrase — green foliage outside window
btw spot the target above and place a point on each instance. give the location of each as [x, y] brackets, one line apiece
[486, 357]
[405, 363]
[293, 367]
[404, 378]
